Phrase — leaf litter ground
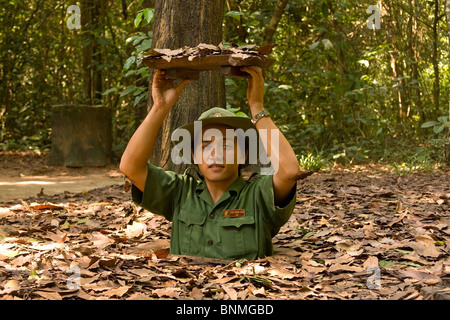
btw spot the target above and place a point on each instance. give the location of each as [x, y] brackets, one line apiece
[353, 235]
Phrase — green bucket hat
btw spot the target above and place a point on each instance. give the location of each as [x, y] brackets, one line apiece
[221, 116]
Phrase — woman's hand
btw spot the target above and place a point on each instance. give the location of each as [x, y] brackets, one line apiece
[164, 92]
[255, 88]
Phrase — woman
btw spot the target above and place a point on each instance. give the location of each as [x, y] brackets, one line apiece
[222, 215]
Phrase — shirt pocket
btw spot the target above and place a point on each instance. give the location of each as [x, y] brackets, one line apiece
[190, 232]
[238, 237]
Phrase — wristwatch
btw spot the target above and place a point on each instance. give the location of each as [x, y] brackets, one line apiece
[263, 113]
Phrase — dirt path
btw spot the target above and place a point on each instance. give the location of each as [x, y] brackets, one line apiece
[24, 175]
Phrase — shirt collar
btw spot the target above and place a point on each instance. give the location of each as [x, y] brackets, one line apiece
[235, 187]
[203, 192]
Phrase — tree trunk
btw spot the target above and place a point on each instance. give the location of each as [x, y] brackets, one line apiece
[413, 62]
[447, 15]
[92, 13]
[436, 89]
[187, 23]
[394, 15]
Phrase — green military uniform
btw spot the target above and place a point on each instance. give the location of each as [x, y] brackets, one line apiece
[240, 225]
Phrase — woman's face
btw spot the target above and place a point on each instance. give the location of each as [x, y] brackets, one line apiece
[217, 155]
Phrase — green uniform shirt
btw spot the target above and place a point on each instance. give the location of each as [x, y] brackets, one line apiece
[240, 225]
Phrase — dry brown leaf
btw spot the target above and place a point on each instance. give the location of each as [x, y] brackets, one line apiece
[259, 292]
[372, 261]
[232, 294]
[282, 273]
[46, 206]
[5, 212]
[10, 286]
[100, 241]
[49, 295]
[167, 292]
[428, 278]
[143, 272]
[425, 246]
[139, 296]
[135, 230]
[197, 293]
[402, 215]
[118, 292]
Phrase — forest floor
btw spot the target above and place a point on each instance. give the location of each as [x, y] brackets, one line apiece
[359, 233]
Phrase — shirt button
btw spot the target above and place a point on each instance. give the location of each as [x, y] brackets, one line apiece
[211, 215]
[210, 242]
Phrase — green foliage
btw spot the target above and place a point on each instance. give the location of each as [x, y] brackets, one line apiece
[132, 88]
[441, 142]
[311, 162]
[237, 112]
[41, 64]
[421, 160]
[145, 15]
[356, 94]
[338, 91]
[133, 67]
[234, 14]
[438, 126]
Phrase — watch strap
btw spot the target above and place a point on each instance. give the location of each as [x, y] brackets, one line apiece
[263, 113]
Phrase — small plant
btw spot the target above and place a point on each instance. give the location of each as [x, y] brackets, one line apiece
[420, 161]
[311, 162]
[441, 127]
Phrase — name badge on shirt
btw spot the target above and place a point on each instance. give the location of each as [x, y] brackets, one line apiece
[231, 213]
